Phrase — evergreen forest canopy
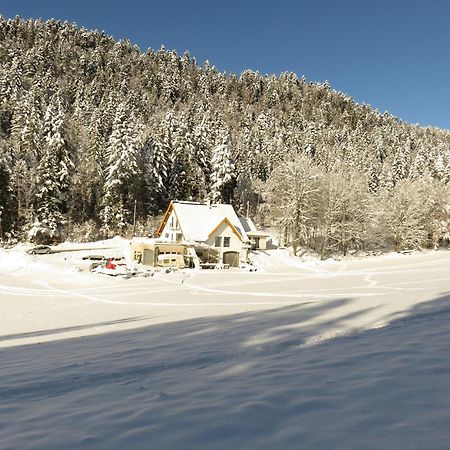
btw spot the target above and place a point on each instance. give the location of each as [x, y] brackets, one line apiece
[91, 128]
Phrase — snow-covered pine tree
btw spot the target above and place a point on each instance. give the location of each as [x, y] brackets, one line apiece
[6, 206]
[439, 167]
[402, 161]
[311, 137]
[26, 128]
[146, 185]
[223, 173]
[162, 155]
[203, 143]
[53, 174]
[121, 167]
[47, 201]
[420, 163]
[181, 172]
[386, 180]
[446, 173]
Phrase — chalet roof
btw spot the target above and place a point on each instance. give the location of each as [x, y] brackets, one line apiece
[198, 220]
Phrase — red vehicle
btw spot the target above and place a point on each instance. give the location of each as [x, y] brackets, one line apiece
[110, 264]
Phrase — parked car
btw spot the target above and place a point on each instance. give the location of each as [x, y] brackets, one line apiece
[94, 257]
[171, 260]
[40, 250]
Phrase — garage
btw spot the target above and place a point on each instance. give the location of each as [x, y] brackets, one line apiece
[231, 258]
[149, 255]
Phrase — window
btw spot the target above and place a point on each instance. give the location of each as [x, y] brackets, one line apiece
[167, 235]
[179, 237]
[226, 241]
[218, 242]
[173, 222]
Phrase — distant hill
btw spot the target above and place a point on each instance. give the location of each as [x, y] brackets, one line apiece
[89, 125]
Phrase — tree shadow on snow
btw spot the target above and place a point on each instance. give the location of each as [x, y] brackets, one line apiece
[248, 380]
[54, 331]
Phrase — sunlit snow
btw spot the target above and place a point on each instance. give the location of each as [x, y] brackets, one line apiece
[346, 354]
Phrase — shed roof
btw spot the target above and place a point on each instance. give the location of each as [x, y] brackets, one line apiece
[257, 233]
[247, 224]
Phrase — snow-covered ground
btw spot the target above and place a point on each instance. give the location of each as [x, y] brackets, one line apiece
[335, 354]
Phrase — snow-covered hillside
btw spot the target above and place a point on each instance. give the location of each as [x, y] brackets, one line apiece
[293, 358]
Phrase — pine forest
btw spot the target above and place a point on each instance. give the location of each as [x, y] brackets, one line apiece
[92, 130]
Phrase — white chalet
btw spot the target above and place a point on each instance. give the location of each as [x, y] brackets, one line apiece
[213, 230]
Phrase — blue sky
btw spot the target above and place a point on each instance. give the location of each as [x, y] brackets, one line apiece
[390, 54]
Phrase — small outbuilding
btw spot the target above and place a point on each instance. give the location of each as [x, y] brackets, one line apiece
[154, 253]
[259, 239]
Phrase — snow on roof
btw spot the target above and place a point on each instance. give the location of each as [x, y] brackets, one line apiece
[198, 220]
[155, 241]
[258, 233]
[143, 240]
[250, 228]
[247, 224]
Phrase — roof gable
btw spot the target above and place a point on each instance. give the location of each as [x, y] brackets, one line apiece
[226, 222]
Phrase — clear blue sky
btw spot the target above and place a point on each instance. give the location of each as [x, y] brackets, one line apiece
[390, 54]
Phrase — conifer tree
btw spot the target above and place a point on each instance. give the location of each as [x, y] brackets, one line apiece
[181, 172]
[26, 128]
[6, 206]
[121, 168]
[162, 155]
[53, 173]
[223, 175]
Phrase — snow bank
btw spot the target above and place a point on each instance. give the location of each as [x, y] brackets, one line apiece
[12, 261]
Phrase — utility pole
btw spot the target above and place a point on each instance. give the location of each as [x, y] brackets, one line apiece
[134, 218]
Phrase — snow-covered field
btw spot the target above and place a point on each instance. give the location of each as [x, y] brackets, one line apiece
[348, 354]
